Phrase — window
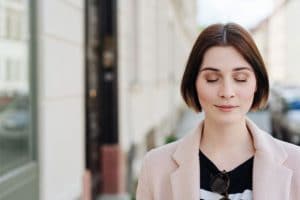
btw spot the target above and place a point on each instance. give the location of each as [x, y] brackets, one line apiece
[12, 71]
[16, 135]
[2, 21]
[13, 24]
[18, 145]
[1, 71]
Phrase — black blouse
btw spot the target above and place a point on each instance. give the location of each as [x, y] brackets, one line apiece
[240, 180]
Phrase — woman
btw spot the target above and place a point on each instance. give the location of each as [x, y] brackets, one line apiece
[227, 156]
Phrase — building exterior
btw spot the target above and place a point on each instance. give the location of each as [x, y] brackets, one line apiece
[18, 155]
[155, 38]
[42, 57]
[270, 36]
[60, 98]
[43, 149]
[278, 37]
[293, 41]
[13, 55]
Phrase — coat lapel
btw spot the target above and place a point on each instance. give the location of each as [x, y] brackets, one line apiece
[185, 180]
[271, 179]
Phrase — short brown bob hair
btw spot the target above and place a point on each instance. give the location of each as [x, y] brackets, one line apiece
[230, 34]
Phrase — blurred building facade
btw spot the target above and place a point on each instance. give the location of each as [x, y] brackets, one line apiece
[42, 134]
[13, 38]
[18, 157]
[155, 38]
[277, 37]
[42, 57]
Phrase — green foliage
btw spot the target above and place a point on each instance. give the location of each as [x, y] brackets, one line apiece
[170, 138]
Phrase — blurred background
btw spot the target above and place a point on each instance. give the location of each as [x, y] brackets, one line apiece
[88, 87]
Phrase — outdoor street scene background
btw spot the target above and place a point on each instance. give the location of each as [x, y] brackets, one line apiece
[87, 87]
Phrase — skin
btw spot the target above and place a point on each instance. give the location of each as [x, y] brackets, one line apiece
[226, 85]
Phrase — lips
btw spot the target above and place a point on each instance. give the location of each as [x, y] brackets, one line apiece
[226, 108]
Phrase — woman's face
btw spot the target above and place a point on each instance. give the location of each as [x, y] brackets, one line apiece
[225, 85]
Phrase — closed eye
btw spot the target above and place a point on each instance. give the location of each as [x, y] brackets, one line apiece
[241, 77]
[211, 80]
[241, 80]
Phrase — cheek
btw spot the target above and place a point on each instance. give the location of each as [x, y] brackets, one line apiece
[205, 94]
[204, 97]
[247, 93]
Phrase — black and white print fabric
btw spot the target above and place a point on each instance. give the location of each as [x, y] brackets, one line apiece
[240, 187]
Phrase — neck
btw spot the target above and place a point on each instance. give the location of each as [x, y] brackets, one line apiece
[230, 137]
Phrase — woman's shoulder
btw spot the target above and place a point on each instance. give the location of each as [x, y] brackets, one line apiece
[162, 152]
[159, 161]
[289, 147]
[292, 150]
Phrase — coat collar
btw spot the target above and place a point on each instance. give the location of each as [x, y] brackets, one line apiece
[271, 179]
[186, 179]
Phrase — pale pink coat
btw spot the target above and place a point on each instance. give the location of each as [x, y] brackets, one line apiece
[172, 171]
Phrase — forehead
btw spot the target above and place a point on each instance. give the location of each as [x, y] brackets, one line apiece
[224, 58]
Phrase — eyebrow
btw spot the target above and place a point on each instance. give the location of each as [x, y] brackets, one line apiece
[218, 70]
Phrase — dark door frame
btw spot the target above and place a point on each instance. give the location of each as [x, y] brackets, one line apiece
[101, 80]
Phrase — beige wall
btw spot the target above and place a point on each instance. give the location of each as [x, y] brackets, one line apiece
[155, 38]
[277, 47]
[281, 41]
[61, 98]
[293, 42]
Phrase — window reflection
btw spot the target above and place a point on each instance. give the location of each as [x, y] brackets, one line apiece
[15, 117]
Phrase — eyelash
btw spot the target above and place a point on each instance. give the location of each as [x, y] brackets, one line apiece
[215, 80]
[242, 80]
[212, 81]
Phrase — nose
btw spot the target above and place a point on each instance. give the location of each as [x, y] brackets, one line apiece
[226, 90]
